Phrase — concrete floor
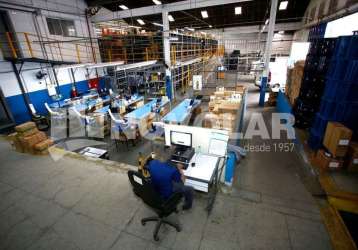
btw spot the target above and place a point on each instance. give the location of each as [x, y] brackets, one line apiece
[72, 203]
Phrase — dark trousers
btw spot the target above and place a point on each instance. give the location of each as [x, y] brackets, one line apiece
[187, 191]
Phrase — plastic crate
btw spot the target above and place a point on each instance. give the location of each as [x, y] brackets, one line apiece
[347, 113]
[352, 51]
[346, 48]
[328, 109]
[330, 90]
[352, 71]
[347, 92]
[319, 124]
[314, 140]
[338, 69]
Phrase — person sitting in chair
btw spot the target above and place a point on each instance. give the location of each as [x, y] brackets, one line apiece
[168, 180]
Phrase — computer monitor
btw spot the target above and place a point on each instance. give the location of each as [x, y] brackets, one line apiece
[181, 139]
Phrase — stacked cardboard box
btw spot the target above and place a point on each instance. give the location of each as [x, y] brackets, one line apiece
[325, 161]
[352, 157]
[28, 139]
[224, 106]
[336, 142]
[240, 89]
[294, 79]
[224, 121]
[337, 138]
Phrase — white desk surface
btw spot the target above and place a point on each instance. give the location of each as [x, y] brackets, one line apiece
[204, 167]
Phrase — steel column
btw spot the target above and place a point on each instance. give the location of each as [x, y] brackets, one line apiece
[271, 29]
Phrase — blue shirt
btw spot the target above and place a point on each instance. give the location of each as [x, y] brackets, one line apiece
[162, 176]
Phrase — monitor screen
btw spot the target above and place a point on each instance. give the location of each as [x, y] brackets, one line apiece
[180, 138]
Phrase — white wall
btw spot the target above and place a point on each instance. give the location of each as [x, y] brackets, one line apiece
[246, 38]
[23, 21]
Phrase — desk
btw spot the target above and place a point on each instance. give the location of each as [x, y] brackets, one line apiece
[204, 176]
[141, 115]
[181, 113]
[126, 103]
[81, 105]
[103, 110]
[201, 175]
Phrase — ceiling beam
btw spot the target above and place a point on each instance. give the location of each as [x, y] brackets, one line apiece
[157, 9]
[255, 28]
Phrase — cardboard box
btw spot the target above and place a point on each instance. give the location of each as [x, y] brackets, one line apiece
[229, 107]
[29, 132]
[15, 142]
[325, 162]
[29, 142]
[219, 94]
[337, 138]
[25, 126]
[240, 89]
[352, 157]
[294, 79]
[41, 146]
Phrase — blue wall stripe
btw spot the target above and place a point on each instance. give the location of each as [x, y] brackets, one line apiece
[38, 98]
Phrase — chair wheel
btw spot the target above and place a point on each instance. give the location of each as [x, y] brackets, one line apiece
[156, 238]
[178, 229]
[143, 223]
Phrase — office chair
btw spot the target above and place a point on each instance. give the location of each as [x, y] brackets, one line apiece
[163, 208]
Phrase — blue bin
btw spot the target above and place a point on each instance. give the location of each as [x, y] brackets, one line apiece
[230, 168]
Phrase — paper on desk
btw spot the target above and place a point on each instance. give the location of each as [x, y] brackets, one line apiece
[204, 167]
[95, 151]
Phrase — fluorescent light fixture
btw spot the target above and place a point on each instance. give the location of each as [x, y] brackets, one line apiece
[266, 22]
[204, 14]
[170, 18]
[123, 7]
[158, 24]
[140, 21]
[191, 29]
[283, 5]
[135, 27]
[104, 65]
[157, 2]
[210, 26]
[281, 32]
[238, 10]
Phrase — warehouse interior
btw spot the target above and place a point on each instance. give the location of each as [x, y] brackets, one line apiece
[179, 124]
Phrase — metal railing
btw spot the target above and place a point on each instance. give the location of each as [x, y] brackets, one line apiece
[20, 45]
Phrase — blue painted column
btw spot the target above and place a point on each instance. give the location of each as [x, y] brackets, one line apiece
[263, 91]
[168, 87]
